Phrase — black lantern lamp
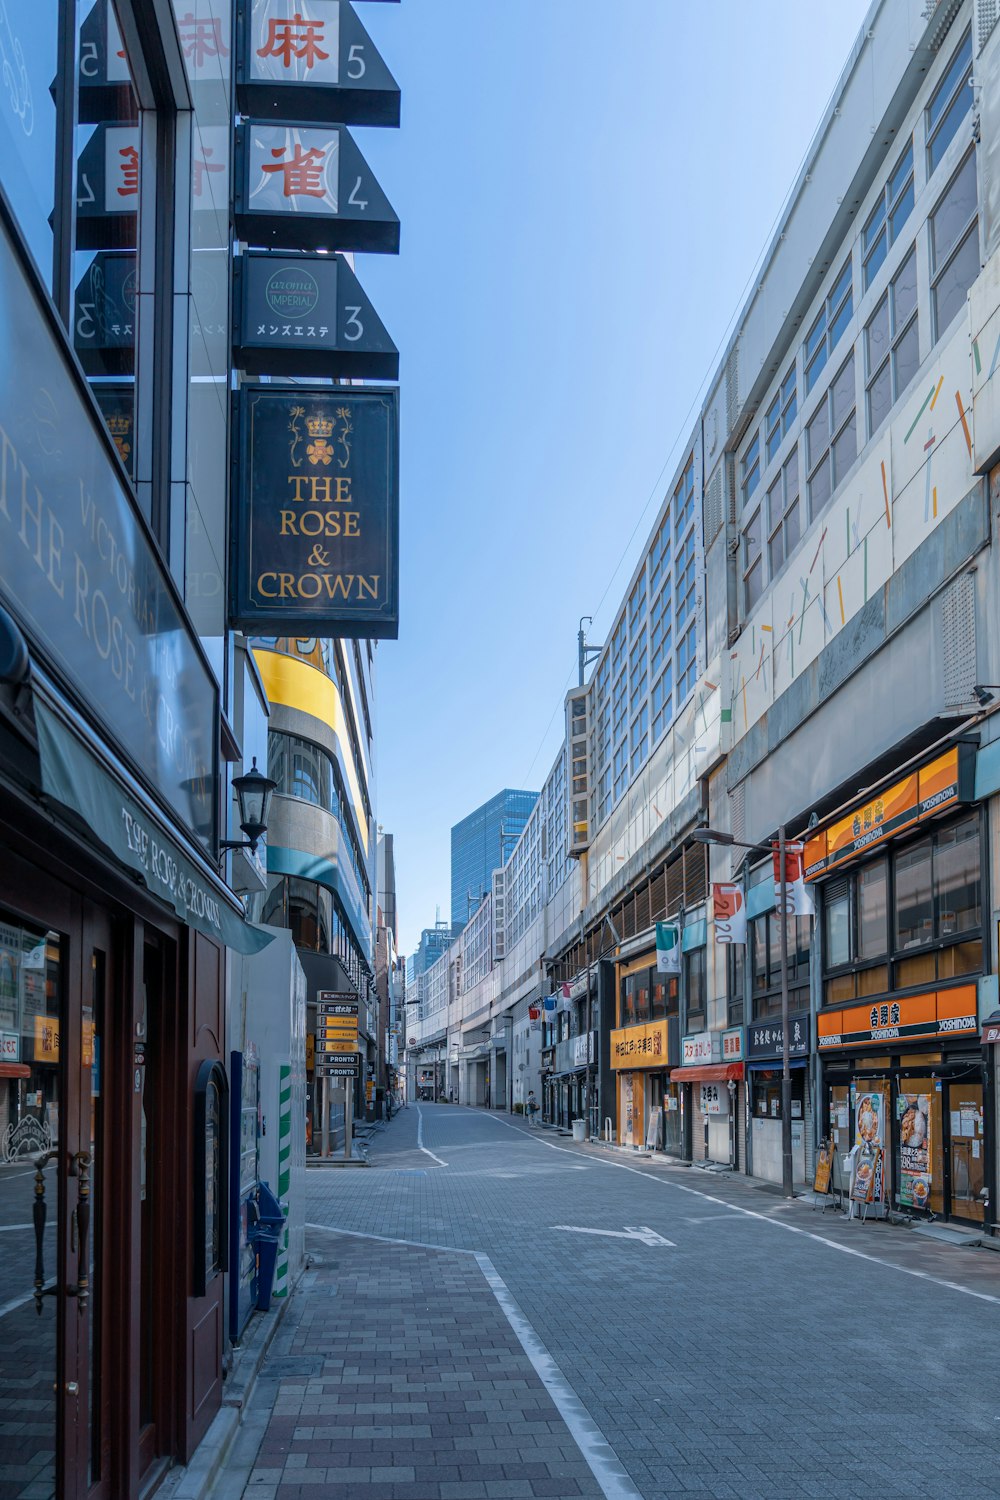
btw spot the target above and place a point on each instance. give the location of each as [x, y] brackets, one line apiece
[254, 793]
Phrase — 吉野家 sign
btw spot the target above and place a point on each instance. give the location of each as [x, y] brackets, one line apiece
[308, 315]
[316, 528]
[315, 61]
[307, 187]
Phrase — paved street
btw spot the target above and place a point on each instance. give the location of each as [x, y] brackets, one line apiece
[713, 1341]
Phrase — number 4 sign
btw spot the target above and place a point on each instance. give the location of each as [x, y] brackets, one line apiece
[320, 56]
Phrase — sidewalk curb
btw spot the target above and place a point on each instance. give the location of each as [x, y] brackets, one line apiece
[197, 1480]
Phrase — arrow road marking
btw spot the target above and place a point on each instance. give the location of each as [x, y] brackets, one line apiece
[642, 1233]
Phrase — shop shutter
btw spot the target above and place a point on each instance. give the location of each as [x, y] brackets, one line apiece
[699, 1120]
[740, 1105]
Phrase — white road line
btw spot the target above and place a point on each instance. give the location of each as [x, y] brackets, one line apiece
[598, 1453]
[750, 1213]
[640, 1234]
[601, 1458]
[420, 1139]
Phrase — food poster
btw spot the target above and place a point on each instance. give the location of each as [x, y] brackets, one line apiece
[867, 1177]
[869, 1119]
[914, 1111]
[627, 1109]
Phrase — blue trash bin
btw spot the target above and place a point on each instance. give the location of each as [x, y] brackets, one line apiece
[265, 1236]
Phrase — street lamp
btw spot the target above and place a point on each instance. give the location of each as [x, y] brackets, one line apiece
[715, 836]
[253, 790]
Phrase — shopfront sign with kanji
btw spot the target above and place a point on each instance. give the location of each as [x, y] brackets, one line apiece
[935, 1015]
[766, 1038]
[316, 513]
[732, 1045]
[701, 1047]
[303, 187]
[640, 1046]
[107, 189]
[308, 315]
[316, 53]
[944, 783]
[714, 1099]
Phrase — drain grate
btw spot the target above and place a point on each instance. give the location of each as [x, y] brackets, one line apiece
[286, 1366]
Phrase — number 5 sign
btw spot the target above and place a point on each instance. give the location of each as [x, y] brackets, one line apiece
[311, 61]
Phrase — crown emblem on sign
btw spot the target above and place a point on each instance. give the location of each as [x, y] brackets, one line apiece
[319, 426]
[119, 426]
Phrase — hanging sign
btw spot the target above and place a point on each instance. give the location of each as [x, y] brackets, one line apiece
[316, 511]
[117, 403]
[308, 315]
[105, 86]
[798, 897]
[729, 909]
[309, 188]
[107, 189]
[668, 948]
[311, 60]
[104, 314]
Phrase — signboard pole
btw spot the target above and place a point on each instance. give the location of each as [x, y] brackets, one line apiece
[347, 1119]
[786, 1077]
[325, 1112]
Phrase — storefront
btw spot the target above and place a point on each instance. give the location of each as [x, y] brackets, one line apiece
[708, 1089]
[642, 1049]
[902, 882]
[764, 1051]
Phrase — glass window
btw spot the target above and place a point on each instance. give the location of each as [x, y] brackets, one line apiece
[830, 460]
[949, 104]
[753, 574]
[887, 218]
[892, 343]
[29, 40]
[687, 664]
[954, 234]
[837, 925]
[829, 326]
[750, 469]
[773, 427]
[957, 890]
[914, 900]
[873, 935]
[694, 980]
[735, 982]
[662, 700]
[783, 514]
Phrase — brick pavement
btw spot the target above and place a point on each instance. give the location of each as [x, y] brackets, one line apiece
[747, 1361]
[396, 1376]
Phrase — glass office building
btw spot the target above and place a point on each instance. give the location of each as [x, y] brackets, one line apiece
[480, 844]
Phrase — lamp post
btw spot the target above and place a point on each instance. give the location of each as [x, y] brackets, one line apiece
[254, 793]
[715, 836]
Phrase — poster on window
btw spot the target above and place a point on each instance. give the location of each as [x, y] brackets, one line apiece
[914, 1149]
[870, 1120]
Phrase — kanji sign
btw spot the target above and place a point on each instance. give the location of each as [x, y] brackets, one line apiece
[302, 187]
[107, 188]
[316, 512]
[317, 53]
[105, 85]
[308, 315]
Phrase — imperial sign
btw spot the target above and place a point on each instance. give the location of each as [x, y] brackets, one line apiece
[317, 511]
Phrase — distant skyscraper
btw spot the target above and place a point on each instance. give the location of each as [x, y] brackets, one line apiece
[480, 844]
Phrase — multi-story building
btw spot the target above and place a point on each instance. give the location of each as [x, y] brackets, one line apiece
[480, 844]
[807, 643]
[321, 851]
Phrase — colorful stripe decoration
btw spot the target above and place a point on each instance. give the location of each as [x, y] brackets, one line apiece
[284, 1171]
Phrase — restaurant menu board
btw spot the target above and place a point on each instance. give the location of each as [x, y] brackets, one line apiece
[914, 1149]
[865, 1187]
[653, 1128]
[824, 1162]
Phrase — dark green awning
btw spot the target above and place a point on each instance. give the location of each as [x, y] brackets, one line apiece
[72, 776]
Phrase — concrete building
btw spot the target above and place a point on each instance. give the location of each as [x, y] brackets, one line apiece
[809, 641]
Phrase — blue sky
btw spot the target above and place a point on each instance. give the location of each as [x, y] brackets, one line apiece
[584, 189]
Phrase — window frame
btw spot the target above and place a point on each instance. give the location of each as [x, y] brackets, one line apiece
[882, 219]
[834, 434]
[934, 129]
[897, 333]
[970, 227]
[827, 329]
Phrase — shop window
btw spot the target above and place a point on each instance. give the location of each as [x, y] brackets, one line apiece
[914, 899]
[694, 987]
[872, 910]
[663, 996]
[736, 964]
[837, 925]
[957, 887]
[766, 1093]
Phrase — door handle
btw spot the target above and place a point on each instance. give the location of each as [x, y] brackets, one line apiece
[81, 1219]
[38, 1215]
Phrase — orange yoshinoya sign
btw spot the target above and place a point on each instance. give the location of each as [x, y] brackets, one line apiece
[945, 782]
[931, 1017]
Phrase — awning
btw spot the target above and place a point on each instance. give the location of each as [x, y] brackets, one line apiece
[708, 1073]
[757, 1063]
[14, 1070]
[73, 777]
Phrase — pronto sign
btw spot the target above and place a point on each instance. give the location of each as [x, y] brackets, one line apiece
[316, 511]
[945, 782]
